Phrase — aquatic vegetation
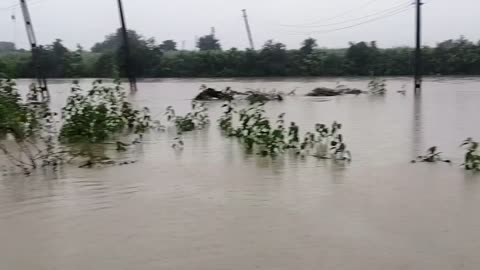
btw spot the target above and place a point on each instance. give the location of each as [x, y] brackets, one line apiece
[377, 86]
[89, 119]
[100, 113]
[196, 119]
[97, 116]
[16, 117]
[226, 119]
[178, 142]
[27, 129]
[269, 138]
[472, 157]
[431, 156]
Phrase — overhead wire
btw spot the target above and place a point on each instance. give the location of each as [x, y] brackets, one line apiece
[340, 15]
[381, 12]
[390, 14]
[18, 4]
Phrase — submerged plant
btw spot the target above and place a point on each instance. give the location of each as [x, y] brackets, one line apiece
[377, 86]
[256, 131]
[196, 119]
[431, 156]
[329, 142]
[98, 116]
[178, 142]
[472, 157]
[100, 113]
[293, 138]
[28, 129]
[225, 120]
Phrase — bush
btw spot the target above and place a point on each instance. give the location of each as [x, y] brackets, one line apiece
[99, 114]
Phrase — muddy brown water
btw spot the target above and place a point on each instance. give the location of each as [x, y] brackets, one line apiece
[213, 206]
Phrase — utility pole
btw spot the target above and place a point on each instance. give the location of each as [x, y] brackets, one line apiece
[126, 50]
[41, 80]
[418, 48]
[247, 26]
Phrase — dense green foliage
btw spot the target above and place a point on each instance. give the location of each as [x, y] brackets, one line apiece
[208, 43]
[149, 59]
[31, 135]
[16, 117]
[100, 113]
[26, 129]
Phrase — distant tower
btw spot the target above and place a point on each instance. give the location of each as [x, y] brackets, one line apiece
[212, 31]
[249, 32]
[183, 45]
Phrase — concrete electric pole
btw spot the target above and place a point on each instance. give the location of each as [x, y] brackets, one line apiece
[41, 80]
[126, 50]
[418, 48]
[247, 26]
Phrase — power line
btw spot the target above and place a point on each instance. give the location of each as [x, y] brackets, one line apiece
[18, 4]
[355, 25]
[338, 15]
[343, 14]
[385, 11]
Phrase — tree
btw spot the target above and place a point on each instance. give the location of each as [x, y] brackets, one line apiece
[208, 43]
[361, 58]
[105, 65]
[308, 45]
[149, 59]
[144, 53]
[76, 67]
[273, 59]
[114, 41]
[168, 45]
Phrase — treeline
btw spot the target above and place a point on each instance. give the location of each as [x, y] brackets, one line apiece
[149, 59]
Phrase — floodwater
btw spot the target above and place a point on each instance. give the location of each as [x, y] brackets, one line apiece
[213, 206]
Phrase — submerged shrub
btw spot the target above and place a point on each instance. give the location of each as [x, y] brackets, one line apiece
[256, 131]
[196, 119]
[377, 86]
[30, 126]
[99, 114]
[472, 157]
[431, 156]
[16, 117]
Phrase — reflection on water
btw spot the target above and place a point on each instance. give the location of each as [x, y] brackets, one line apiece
[214, 206]
[417, 126]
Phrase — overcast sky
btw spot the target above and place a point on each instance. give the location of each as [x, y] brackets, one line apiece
[332, 23]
